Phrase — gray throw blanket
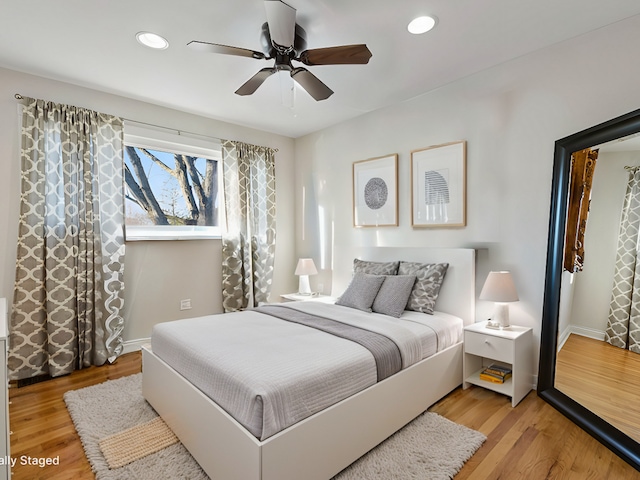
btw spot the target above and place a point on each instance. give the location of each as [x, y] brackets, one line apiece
[385, 352]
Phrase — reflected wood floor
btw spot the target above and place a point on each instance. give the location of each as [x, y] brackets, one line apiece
[532, 441]
[603, 378]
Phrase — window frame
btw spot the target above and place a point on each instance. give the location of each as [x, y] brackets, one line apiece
[172, 141]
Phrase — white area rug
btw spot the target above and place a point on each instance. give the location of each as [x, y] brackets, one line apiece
[429, 448]
[116, 405]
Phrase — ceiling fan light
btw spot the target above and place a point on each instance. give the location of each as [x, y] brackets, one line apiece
[152, 40]
[421, 25]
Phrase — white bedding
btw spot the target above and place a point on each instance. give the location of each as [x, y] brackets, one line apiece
[268, 373]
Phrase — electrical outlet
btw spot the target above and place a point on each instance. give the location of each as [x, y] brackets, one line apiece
[321, 288]
[185, 304]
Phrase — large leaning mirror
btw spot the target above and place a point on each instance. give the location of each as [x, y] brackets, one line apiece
[559, 381]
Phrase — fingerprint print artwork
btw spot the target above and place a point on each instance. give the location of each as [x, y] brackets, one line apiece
[436, 195]
[436, 187]
[376, 193]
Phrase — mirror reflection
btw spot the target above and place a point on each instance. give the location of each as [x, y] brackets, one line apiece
[598, 358]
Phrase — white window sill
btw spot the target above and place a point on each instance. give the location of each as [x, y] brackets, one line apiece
[138, 233]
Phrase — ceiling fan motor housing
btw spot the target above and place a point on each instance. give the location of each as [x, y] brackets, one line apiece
[270, 48]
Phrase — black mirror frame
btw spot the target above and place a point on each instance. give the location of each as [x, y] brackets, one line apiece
[622, 445]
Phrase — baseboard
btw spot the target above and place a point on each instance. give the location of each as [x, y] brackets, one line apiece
[134, 345]
[563, 336]
[588, 332]
[582, 331]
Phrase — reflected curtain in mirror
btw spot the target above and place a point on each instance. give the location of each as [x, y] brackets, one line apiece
[249, 239]
[69, 288]
[623, 328]
[583, 164]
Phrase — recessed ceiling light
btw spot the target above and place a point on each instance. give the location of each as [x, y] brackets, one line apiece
[421, 25]
[152, 40]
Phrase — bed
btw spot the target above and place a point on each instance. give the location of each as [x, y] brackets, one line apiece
[320, 445]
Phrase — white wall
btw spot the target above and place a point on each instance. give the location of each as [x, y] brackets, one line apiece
[510, 117]
[593, 284]
[157, 274]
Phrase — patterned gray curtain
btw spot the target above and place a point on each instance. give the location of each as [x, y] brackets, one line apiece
[69, 291]
[623, 329]
[248, 244]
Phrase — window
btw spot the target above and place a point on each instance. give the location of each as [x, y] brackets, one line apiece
[172, 185]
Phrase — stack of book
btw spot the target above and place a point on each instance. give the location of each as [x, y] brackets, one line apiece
[495, 373]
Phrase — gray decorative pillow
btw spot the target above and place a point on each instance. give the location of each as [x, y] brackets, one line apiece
[361, 292]
[393, 295]
[429, 277]
[375, 268]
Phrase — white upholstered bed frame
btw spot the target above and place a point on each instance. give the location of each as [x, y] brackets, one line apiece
[318, 447]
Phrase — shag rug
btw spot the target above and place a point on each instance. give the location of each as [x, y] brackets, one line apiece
[429, 448]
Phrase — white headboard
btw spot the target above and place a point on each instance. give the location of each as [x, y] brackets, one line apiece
[458, 293]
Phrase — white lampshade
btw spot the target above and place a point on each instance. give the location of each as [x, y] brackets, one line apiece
[499, 288]
[305, 268]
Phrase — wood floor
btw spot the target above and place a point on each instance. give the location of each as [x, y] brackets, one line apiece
[532, 441]
[603, 378]
[42, 427]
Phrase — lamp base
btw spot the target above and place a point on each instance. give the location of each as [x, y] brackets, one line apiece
[500, 318]
[303, 285]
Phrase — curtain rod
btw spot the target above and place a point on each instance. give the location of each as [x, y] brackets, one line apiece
[180, 132]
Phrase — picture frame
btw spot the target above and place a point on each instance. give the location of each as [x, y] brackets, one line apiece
[375, 192]
[438, 185]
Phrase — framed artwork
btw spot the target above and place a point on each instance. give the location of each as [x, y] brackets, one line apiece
[438, 186]
[375, 192]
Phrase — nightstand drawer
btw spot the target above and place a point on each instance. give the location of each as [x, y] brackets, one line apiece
[488, 346]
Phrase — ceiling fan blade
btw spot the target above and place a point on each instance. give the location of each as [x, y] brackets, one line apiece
[311, 83]
[343, 55]
[282, 22]
[254, 82]
[224, 49]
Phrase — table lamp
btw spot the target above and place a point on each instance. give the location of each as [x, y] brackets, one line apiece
[499, 288]
[305, 268]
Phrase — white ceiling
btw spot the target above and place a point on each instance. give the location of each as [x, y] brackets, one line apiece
[92, 43]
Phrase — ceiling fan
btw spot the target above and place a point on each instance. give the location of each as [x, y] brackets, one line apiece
[285, 41]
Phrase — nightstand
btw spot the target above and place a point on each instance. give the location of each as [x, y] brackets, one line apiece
[512, 347]
[297, 297]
